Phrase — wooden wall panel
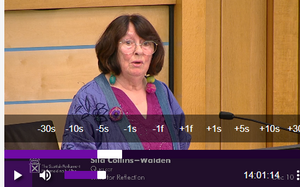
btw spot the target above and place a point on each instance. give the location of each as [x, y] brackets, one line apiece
[243, 65]
[212, 69]
[178, 13]
[270, 33]
[41, 75]
[189, 67]
[56, 74]
[246, 85]
[59, 108]
[65, 27]
[213, 56]
[190, 61]
[286, 67]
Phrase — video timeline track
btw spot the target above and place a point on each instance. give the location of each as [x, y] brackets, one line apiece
[202, 128]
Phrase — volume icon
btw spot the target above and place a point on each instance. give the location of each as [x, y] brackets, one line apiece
[46, 175]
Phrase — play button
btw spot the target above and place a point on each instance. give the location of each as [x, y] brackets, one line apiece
[17, 175]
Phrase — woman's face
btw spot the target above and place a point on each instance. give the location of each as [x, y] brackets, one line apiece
[135, 63]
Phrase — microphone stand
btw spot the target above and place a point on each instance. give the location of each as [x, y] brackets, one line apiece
[230, 116]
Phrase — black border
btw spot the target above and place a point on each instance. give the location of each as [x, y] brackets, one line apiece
[171, 47]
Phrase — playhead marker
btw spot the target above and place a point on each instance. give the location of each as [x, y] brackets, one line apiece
[102, 154]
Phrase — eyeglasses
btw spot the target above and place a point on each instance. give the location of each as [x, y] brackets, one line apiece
[129, 46]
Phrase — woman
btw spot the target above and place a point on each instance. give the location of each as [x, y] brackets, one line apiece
[125, 107]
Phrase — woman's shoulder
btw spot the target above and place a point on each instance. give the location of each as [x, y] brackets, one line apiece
[89, 88]
[91, 91]
[164, 86]
[175, 107]
[167, 90]
[89, 96]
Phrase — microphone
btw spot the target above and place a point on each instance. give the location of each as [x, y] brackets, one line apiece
[226, 115]
[230, 116]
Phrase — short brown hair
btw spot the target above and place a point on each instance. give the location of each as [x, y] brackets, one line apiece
[107, 45]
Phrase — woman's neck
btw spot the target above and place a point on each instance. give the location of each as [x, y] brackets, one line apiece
[130, 83]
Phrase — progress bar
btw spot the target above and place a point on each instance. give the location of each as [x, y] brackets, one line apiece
[85, 175]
